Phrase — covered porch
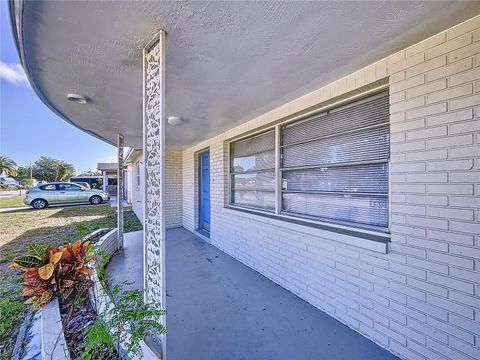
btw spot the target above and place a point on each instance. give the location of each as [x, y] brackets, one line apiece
[218, 308]
[330, 146]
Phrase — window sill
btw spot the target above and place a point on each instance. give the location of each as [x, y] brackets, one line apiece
[355, 237]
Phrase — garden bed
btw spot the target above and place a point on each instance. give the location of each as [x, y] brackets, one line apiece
[87, 323]
[76, 318]
[80, 313]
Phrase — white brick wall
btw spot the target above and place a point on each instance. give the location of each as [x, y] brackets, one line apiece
[174, 186]
[189, 183]
[422, 299]
[173, 182]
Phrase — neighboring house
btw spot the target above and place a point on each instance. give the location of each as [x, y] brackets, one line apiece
[109, 177]
[94, 182]
[334, 148]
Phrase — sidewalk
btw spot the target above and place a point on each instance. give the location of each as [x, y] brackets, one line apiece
[13, 209]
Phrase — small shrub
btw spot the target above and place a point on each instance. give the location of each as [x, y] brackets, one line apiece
[51, 272]
[126, 323]
[98, 342]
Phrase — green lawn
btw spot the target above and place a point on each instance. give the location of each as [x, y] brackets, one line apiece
[14, 201]
[54, 226]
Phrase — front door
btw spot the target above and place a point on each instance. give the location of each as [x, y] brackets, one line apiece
[204, 190]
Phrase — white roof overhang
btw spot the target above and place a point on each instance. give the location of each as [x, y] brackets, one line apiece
[226, 62]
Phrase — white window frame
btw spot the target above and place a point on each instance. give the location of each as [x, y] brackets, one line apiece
[137, 175]
[230, 173]
[363, 228]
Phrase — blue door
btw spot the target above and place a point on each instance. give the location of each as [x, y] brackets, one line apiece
[204, 184]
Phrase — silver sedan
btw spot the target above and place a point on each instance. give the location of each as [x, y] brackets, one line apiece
[63, 193]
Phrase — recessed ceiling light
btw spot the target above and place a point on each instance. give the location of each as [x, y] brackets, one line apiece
[79, 99]
[175, 121]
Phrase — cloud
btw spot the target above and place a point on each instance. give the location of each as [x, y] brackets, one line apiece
[13, 73]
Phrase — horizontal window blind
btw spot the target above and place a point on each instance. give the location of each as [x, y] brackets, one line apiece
[254, 199]
[254, 181]
[252, 172]
[335, 165]
[360, 146]
[370, 210]
[349, 179]
[367, 112]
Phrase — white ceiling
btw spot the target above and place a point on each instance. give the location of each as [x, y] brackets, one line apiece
[227, 62]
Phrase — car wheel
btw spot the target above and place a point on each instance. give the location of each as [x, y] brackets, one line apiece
[39, 204]
[95, 200]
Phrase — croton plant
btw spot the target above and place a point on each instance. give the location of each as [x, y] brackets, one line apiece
[55, 271]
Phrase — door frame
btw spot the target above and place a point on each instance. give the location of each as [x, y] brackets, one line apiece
[200, 227]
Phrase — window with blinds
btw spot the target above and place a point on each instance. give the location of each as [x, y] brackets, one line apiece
[252, 164]
[334, 166]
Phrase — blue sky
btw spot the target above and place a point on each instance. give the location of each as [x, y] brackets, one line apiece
[28, 129]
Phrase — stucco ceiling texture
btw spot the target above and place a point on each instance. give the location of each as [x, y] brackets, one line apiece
[227, 62]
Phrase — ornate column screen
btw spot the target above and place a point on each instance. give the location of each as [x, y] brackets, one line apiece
[120, 190]
[154, 162]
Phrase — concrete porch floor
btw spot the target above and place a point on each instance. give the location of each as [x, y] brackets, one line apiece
[220, 309]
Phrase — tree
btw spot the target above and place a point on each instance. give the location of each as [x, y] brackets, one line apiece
[23, 172]
[49, 169]
[7, 166]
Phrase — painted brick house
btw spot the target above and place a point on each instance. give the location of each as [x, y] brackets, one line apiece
[339, 158]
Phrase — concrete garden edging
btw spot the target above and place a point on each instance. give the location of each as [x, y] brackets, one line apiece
[108, 243]
[54, 345]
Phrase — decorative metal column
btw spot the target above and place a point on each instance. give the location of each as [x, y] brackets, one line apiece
[154, 162]
[120, 191]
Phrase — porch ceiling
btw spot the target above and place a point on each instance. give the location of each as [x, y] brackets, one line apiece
[227, 62]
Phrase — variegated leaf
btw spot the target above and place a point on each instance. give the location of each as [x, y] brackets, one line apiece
[46, 271]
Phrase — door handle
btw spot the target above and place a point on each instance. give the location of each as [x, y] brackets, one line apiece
[62, 192]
